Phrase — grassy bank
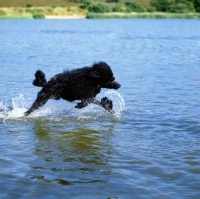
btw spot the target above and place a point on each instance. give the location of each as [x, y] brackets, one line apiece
[91, 15]
[41, 12]
[16, 17]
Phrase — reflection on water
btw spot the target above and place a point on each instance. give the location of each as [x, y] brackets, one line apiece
[79, 150]
[78, 144]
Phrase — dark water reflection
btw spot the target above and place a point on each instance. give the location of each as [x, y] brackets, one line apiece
[150, 149]
[78, 156]
[79, 144]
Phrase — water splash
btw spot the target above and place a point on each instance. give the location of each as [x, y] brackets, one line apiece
[118, 102]
[95, 112]
[19, 105]
[16, 110]
[3, 109]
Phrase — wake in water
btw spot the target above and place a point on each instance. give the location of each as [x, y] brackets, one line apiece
[18, 106]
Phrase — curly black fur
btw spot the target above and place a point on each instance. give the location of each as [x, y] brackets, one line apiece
[79, 84]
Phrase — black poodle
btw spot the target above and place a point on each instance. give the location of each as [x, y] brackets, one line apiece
[79, 84]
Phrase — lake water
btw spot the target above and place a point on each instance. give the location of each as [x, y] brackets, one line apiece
[149, 149]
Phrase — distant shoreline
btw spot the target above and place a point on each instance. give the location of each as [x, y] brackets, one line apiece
[76, 13]
[45, 17]
[112, 16]
[143, 15]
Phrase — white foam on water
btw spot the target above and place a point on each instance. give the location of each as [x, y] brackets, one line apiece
[96, 111]
[19, 105]
[16, 110]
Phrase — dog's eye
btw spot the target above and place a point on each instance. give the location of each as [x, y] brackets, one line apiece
[112, 78]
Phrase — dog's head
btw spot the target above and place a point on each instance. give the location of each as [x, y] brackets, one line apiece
[103, 74]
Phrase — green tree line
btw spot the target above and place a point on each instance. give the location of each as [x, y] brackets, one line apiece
[171, 6]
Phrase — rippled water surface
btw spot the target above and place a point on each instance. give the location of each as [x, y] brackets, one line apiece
[149, 149]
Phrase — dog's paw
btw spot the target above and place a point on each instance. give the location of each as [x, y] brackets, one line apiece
[81, 105]
[27, 113]
[107, 104]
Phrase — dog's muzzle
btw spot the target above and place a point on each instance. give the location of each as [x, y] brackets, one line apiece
[111, 85]
[116, 85]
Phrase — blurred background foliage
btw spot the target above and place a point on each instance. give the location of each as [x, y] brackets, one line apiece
[66, 7]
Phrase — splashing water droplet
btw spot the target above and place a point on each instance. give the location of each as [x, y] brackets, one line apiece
[118, 102]
[18, 108]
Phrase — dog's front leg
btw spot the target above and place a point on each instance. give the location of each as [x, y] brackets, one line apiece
[81, 104]
[105, 103]
[42, 98]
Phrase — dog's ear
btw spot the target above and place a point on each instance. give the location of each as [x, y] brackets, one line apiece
[94, 74]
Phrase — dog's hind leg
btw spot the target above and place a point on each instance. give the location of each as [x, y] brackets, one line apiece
[105, 103]
[42, 98]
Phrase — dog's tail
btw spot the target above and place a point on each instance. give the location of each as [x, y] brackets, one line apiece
[40, 79]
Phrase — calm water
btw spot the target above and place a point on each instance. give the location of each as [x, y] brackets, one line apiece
[150, 149]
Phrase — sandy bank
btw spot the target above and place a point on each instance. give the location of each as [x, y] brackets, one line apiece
[65, 17]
